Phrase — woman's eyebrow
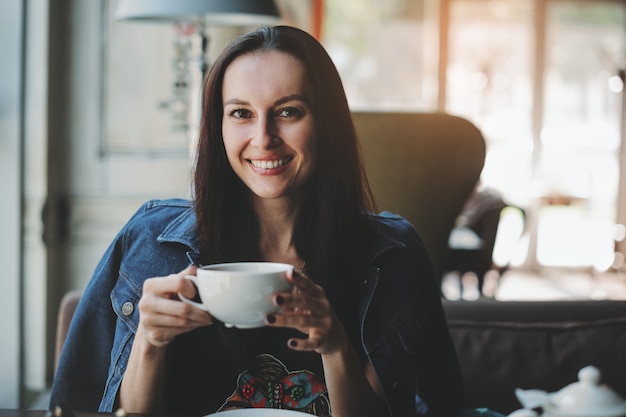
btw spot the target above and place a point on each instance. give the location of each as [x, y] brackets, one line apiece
[292, 97]
[235, 101]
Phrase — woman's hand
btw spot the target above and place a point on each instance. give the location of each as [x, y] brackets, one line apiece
[307, 309]
[162, 316]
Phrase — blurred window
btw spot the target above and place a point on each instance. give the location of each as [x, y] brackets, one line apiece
[538, 77]
[386, 51]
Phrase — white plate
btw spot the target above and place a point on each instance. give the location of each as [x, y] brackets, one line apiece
[259, 412]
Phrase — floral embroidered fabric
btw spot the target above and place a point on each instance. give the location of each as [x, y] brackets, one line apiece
[269, 384]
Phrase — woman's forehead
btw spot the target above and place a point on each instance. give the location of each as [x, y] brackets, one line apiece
[270, 72]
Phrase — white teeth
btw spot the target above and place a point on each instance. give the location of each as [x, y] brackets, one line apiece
[264, 164]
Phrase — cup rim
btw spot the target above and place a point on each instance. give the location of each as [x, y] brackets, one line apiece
[268, 267]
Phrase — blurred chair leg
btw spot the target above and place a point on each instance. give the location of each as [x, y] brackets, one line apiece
[480, 284]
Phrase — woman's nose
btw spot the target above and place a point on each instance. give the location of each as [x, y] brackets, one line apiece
[265, 135]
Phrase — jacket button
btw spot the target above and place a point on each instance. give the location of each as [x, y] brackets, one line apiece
[127, 308]
[396, 385]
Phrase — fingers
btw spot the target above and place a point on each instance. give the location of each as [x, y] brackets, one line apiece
[301, 319]
[307, 344]
[302, 283]
[307, 309]
[301, 303]
[319, 342]
[306, 297]
[305, 294]
[162, 315]
[165, 311]
[323, 334]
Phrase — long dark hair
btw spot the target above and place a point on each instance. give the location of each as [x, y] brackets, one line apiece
[332, 217]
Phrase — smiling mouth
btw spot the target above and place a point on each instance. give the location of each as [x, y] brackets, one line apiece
[265, 164]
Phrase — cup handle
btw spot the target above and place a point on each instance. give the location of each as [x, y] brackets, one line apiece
[184, 299]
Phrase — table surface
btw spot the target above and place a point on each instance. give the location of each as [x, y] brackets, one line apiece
[44, 413]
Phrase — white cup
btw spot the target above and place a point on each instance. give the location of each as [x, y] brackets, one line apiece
[240, 293]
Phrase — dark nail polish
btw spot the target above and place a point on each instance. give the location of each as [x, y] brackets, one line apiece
[280, 300]
[270, 318]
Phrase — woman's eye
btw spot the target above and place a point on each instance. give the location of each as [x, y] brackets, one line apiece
[240, 113]
[290, 112]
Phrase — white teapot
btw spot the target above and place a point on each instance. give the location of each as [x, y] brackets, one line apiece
[585, 398]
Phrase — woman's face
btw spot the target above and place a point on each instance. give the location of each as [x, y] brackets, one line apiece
[268, 126]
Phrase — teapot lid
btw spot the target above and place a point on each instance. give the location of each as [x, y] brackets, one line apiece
[587, 397]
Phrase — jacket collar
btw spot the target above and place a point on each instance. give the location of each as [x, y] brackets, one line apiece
[385, 232]
[385, 228]
[182, 230]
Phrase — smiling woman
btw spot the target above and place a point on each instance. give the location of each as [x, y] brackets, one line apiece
[278, 178]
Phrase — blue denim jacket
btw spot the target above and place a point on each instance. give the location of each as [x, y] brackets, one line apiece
[403, 327]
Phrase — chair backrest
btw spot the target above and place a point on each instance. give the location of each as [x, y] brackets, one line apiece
[68, 305]
[480, 214]
[422, 166]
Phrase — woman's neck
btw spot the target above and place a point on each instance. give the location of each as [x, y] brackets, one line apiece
[276, 224]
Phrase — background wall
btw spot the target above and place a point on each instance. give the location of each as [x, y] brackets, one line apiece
[11, 50]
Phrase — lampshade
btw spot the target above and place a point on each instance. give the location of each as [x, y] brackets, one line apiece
[215, 12]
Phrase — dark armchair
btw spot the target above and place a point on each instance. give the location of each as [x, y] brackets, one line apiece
[504, 345]
[422, 166]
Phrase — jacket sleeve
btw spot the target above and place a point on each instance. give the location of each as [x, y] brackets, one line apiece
[439, 379]
[417, 362]
[84, 363]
